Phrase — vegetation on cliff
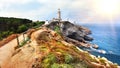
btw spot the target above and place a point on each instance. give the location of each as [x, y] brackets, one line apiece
[11, 25]
[47, 49]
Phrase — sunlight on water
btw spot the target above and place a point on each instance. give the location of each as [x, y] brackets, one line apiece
[108, 39]
[113, 29]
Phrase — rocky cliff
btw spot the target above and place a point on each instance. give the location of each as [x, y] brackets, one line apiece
[48, 49]
[76, 34]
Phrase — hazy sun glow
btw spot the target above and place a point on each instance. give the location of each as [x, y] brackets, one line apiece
[107, 8]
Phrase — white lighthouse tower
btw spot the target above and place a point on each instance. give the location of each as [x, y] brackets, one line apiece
[59, 15]
[59, 19]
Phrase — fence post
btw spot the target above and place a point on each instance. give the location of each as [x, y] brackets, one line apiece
[23, 36]
[18, 40]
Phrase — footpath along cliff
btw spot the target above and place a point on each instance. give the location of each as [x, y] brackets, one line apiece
[49, 49]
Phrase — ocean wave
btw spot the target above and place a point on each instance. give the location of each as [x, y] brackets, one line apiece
[97, 50]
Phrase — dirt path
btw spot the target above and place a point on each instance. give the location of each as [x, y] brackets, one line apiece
[23, 59]
[8, 49]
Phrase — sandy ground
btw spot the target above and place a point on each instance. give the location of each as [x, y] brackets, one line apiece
[23, 59]
[8, 49]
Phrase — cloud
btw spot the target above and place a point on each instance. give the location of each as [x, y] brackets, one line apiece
[74, 10]
[4, 2]
[7, 3]
[47, 9]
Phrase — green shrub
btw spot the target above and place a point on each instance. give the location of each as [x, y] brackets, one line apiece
[66, 66]
[43, 48]
[57, 29]
[24, 42]
[55, 65]
[22, 28]
[38, 24]
[68, 58]
[60, 50]
[49, 60]
[80, 65]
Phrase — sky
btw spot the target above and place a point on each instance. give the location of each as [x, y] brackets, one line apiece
[74, 10]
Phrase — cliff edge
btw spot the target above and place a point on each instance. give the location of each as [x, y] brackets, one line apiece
[48, 49]
[76, 34]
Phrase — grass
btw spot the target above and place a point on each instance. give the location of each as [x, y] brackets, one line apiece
[24, 42]
[68, 58]
[57, 29]
[48, 60]
[58, 55]
[56, 65]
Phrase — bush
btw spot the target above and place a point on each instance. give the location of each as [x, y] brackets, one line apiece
[22, 28]
[55, 65]
[57, 29]
[24, 42]
[48, 60]
[68, 58]
[38, 24]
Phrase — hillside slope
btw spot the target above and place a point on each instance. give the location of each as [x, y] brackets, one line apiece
[47, 49]
[76, 34]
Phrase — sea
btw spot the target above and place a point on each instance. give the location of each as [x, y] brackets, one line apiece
[107, 37]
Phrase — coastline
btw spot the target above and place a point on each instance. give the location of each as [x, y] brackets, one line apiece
[107, 39]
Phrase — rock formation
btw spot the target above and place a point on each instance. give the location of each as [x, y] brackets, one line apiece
[77, 34]
[48, 49]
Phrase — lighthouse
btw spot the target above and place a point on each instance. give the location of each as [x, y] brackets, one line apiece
[59, 15]
[59, 19]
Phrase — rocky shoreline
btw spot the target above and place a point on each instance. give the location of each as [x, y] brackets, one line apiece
[54, 48]
[49, 49]
[75, 34]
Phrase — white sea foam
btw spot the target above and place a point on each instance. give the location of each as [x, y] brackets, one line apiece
[97, 50]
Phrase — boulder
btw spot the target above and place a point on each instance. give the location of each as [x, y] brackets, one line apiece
[88, 38]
